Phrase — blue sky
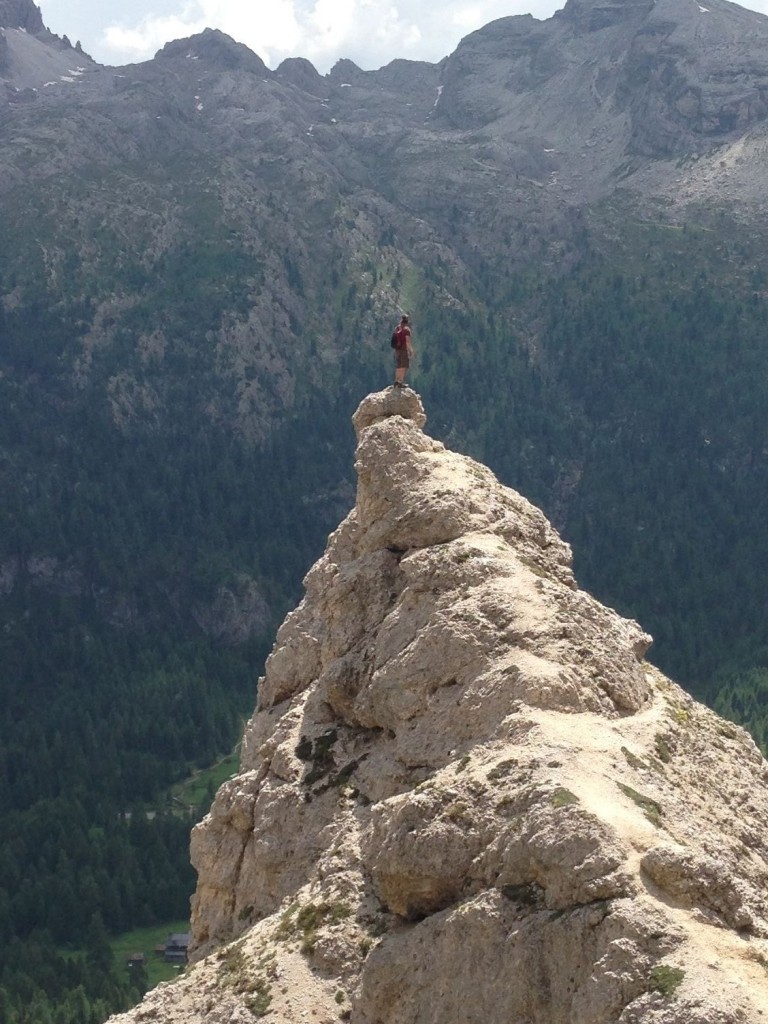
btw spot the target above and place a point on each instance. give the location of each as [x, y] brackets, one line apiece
[369, 32]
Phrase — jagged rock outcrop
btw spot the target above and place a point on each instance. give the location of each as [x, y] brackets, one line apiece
[32, 57]
[465, 796]
[21, 14]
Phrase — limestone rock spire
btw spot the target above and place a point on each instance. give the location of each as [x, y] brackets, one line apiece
[464, 793]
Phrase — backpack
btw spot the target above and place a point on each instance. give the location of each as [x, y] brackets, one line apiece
[400, 338]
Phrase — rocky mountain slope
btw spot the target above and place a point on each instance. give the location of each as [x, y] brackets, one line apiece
[31, 57]
[646, 84]
[478, 163]
[465, 795]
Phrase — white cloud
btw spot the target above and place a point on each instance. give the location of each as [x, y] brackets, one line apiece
[466, 17]
[148, 36]
[369, 32]
[273, 27]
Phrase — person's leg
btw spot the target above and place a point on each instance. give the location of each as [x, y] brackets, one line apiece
[401, 367]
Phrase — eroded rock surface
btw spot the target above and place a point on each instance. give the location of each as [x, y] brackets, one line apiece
[465, 796]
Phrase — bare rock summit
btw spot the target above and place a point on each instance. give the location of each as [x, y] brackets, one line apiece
[465, 796]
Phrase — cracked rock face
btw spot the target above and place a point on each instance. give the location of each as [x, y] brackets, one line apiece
[465, 796]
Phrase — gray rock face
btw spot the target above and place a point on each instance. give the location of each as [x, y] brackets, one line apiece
[642, 80]
[236, 612]
[218, 48]
[465, 796]
[598, 89]
[31, 57]
[301, 73]
[21, 14]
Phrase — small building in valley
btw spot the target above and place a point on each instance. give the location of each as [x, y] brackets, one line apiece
[177, 947]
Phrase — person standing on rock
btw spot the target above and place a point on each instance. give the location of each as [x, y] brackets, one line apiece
[401, 342]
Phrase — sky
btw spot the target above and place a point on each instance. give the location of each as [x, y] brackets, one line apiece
[369, 32]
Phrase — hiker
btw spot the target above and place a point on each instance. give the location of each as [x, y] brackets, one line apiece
[401, 342]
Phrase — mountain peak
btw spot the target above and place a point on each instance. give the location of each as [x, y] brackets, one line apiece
[302, 73]
[464, 794]
[344, 70]
[22, 14]
[31, 57]
[218, 48]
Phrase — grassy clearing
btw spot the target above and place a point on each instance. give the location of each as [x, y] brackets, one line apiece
[197, 791]
[144, 940]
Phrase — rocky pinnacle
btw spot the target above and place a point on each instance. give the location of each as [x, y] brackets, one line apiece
[465, 795]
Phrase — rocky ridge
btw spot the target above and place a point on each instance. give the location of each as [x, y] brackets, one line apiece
[23, 14]
[32, 57]
[464, 794]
